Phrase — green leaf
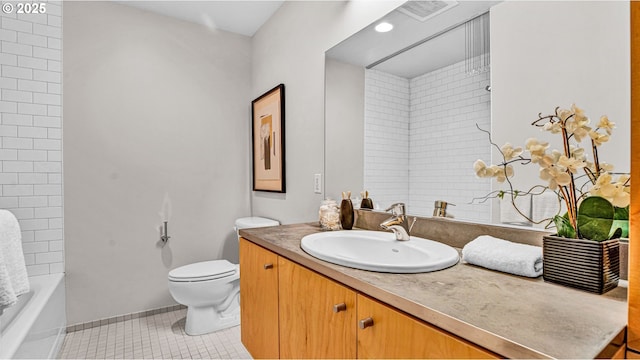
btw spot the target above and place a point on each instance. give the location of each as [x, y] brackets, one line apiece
[621, 213]
[623, 225]
[564, 227]
[595, 217]
[616, 233]
[620, 221]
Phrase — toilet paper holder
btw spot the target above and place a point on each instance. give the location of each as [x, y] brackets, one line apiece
[164, 234]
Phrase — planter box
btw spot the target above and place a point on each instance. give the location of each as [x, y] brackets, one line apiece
[583, 264]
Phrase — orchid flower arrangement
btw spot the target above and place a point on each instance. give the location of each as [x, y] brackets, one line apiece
[597, 209]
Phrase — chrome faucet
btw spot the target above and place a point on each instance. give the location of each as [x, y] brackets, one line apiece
[440, 208]
[398, 223]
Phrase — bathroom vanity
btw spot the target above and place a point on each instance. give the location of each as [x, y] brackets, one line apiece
[296, 306]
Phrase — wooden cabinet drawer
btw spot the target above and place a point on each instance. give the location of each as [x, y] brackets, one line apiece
[394, 334]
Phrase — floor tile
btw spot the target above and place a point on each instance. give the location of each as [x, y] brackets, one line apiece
[159, 336]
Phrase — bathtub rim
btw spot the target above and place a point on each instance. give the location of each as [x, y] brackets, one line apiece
[43, 287]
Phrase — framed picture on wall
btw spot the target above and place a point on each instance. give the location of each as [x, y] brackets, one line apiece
[267, 128]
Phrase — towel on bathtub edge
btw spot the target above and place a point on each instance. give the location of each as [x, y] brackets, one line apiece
[14, 280]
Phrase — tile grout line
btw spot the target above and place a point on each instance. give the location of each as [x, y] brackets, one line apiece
[122, 318]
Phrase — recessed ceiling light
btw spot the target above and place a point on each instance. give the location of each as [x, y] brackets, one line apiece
[384, 27]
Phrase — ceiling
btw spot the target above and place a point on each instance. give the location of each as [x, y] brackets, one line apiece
[364, 48]
[368, 47]
[240, 17]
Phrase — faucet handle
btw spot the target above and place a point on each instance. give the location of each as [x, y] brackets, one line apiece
[412, 223]
[397, 209]
[442, 204]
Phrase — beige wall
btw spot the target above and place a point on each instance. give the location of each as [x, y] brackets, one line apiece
[289, 49]
[344, 125]
[152, 106]
[157, 107]
[555, 53]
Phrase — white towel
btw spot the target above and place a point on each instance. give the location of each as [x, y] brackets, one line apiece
[545, 206]
[13, 272]
[509, 215]
[502, 255]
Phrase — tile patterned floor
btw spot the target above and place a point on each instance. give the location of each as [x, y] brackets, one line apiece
[159, 336]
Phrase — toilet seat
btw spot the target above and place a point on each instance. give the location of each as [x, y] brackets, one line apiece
[203, 271]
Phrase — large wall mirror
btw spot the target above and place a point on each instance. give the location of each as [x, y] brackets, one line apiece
[403, 107]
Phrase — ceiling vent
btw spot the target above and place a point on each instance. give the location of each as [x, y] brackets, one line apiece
[423, 10]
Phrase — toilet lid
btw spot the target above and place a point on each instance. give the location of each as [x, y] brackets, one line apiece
[201, 271]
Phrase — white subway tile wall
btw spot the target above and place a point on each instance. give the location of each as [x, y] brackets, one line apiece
[31, 131]
[386, 142]
[440, 135]
[446, 105]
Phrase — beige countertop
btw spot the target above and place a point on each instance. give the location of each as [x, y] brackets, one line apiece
[513, 316]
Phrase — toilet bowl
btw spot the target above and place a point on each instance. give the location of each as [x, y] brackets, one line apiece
[211, 289]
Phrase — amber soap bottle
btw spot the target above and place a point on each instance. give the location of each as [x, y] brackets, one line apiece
[346, 211]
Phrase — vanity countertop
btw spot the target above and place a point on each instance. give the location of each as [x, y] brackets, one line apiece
[513, 316]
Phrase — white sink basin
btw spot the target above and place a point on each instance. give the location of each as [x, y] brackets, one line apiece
[379, 251]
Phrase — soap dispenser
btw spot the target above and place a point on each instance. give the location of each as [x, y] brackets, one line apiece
[346, 211]
[366, 203]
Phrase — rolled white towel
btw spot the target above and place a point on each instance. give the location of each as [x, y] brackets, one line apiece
[13, 272]
[7, 294]
[502, 255]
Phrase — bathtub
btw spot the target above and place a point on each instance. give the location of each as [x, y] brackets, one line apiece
[35, 326]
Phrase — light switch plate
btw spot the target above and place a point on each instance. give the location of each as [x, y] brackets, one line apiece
[317, 183]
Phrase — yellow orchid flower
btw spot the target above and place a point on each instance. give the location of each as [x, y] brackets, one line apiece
[553, 127]
[509, 152]
[536, 149]
[598, 139]
[481, 169]
[555, 177]
[577, 153]
[605, 124]
[571, 164]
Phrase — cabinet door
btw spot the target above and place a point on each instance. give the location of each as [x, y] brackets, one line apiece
[630, 355]
[317, 315]
[392, 334]
[259, 300]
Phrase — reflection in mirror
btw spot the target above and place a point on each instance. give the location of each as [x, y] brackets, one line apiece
[420, 130]
[421, 147]
[420, 112]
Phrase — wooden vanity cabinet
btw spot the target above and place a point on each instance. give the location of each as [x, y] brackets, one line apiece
[317, 315]
[385, 333]
[289, 311]
[633, 332]
[630, 355]
[259, 301]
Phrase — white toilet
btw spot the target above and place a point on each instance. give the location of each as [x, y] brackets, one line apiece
[211, 289]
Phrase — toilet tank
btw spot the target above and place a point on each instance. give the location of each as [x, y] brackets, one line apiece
[254, 222]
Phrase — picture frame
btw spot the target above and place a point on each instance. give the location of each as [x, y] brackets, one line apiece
[268, 141]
